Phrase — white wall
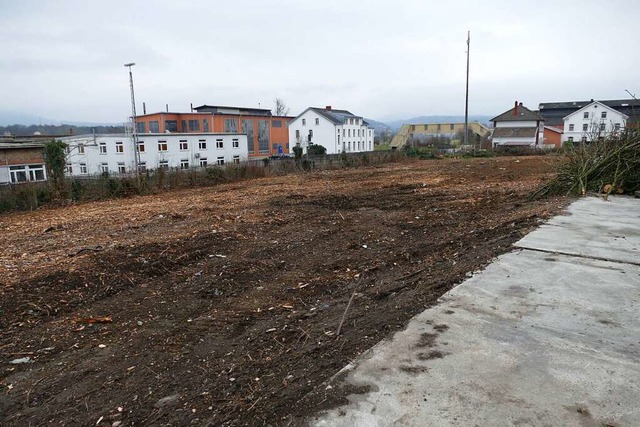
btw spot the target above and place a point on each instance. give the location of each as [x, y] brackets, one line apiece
[324, 133]
[4, 174]
[335, 138]
[151, 156]
[593, 122]
[517, 124]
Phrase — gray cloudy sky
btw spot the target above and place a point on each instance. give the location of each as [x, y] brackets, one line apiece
[383, 59]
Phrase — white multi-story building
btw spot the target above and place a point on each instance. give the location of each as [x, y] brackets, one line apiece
[336, 130]
[114, 153]
[592, 121]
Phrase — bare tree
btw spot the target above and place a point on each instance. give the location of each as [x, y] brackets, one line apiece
[281, 107]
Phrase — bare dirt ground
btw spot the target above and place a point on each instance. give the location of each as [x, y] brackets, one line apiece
[221, 305]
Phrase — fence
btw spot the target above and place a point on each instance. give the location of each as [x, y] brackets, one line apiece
[30, 196]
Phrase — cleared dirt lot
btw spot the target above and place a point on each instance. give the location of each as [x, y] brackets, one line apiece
[221, 305]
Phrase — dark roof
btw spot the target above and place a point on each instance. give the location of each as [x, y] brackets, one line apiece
[514, 132]
[523, 114]
[242, 110]
[555, 112]
[337, 117]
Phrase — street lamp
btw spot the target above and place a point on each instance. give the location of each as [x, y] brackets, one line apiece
[134, 130]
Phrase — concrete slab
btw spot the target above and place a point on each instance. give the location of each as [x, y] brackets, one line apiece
[534, 339]
[592, 228]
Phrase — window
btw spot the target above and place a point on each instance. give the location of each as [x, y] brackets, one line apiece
[205, 125]
[203, 162]
[154, 126]
[141, 127]
[570, 139]
[617, 127]
[184, 164]
[119, 147]
[603, 115]
[183, 125]
[317, 121]
[276, 123]
[236, 159]
[584, 139]
[142, 167]
[80, 149]
[67, 149]
[202, 144]
[83, 168]
[338, 139]
[184, 145]
[451, 126]
[171, 125]
[69, 168]
[219, 143]
[104, 167]
[18, 173]
[304, 122]
[235, 143]
[194, 125]
[220, 161]
[263, 136]
[247, 128]
[297, 133]
[438, 127]
[571, 127]
[231, 125]
[141, 146]
[585, 115]
[602, 126]
[162, 145]
[585, 127]
[103, 148]
[369, 132]
[121, 168]
[310, 135]
[163, 164]
[349, 132]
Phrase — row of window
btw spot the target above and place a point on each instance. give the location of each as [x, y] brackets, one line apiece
[354, 132]
[602, 127]
[162, 146]
[230, 125]
[348, 122]
[603, 115]
[162, 164]
[26, 173]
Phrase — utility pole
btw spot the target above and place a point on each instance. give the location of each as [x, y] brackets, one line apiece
[134, 130]
[466, 101]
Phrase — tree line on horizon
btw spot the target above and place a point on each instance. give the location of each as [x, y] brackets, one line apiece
[57, 130]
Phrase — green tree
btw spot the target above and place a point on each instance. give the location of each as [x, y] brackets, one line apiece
[55, 159]
[316, 150]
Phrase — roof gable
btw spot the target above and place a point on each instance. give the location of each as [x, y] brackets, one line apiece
[605, 107]
[523, 114]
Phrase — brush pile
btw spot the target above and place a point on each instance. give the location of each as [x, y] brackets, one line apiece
[610, 165]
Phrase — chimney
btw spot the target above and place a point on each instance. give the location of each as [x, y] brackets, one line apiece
[328, 108]
[167, 106]
[191, 107]
[515, 109]
[144, 108]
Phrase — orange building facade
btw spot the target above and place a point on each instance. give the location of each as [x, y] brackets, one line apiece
[267, 135]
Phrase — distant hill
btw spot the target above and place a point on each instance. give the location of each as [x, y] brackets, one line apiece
[396, 124]
[379, 128]
[58, 130]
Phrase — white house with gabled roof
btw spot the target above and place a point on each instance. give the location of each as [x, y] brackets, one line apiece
[592, 121]
[336, 130]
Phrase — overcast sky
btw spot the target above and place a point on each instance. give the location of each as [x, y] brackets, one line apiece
[383, 59]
